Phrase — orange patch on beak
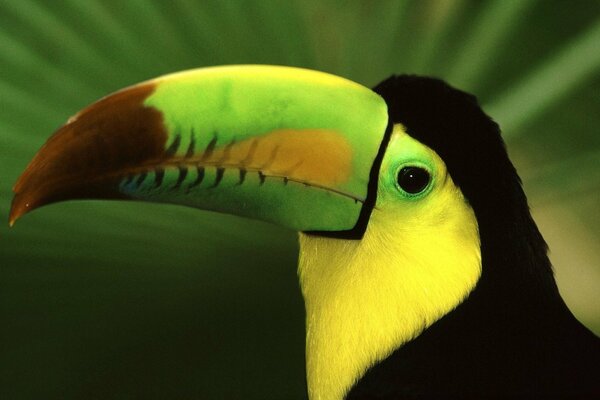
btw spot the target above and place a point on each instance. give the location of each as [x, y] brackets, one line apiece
[315, 156]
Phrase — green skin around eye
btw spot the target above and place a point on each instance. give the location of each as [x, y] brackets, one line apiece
[404, 151]
[236, 104]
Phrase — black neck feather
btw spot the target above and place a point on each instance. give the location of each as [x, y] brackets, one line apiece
[513, 334]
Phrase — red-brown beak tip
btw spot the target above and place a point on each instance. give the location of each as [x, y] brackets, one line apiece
[86, 158]
[18, 208]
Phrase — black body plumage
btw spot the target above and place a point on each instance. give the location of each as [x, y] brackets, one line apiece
[514, 335]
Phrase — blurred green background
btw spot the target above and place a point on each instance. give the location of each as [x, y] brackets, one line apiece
[127, 300]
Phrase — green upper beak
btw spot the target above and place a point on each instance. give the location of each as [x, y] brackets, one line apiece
[285, 145]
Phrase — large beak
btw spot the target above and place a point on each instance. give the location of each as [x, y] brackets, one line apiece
[285, 145]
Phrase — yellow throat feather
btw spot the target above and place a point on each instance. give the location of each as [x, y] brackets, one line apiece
[418, 259]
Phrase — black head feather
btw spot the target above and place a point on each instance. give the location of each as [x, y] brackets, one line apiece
[452, 123]
[513, 335]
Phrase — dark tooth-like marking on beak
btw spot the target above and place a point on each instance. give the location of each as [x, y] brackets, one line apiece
[289, 171]
[226, 153]
[159, 175]
[209, 149]
[262, 177]
[242, 176]
[170, 152]
[199, 178]
[271, 159]
[190, 150]
[218, 178]
[248, 159]
[140, 179]
[182, 174]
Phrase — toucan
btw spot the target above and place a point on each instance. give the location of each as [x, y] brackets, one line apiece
[422, 270]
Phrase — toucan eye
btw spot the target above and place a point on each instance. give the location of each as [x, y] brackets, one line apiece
[413, 180]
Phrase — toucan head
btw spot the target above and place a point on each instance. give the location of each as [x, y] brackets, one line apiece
[299, 148]
[303, 149]
[394, 190]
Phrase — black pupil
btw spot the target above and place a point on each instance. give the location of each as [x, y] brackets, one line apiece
[413, 180]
